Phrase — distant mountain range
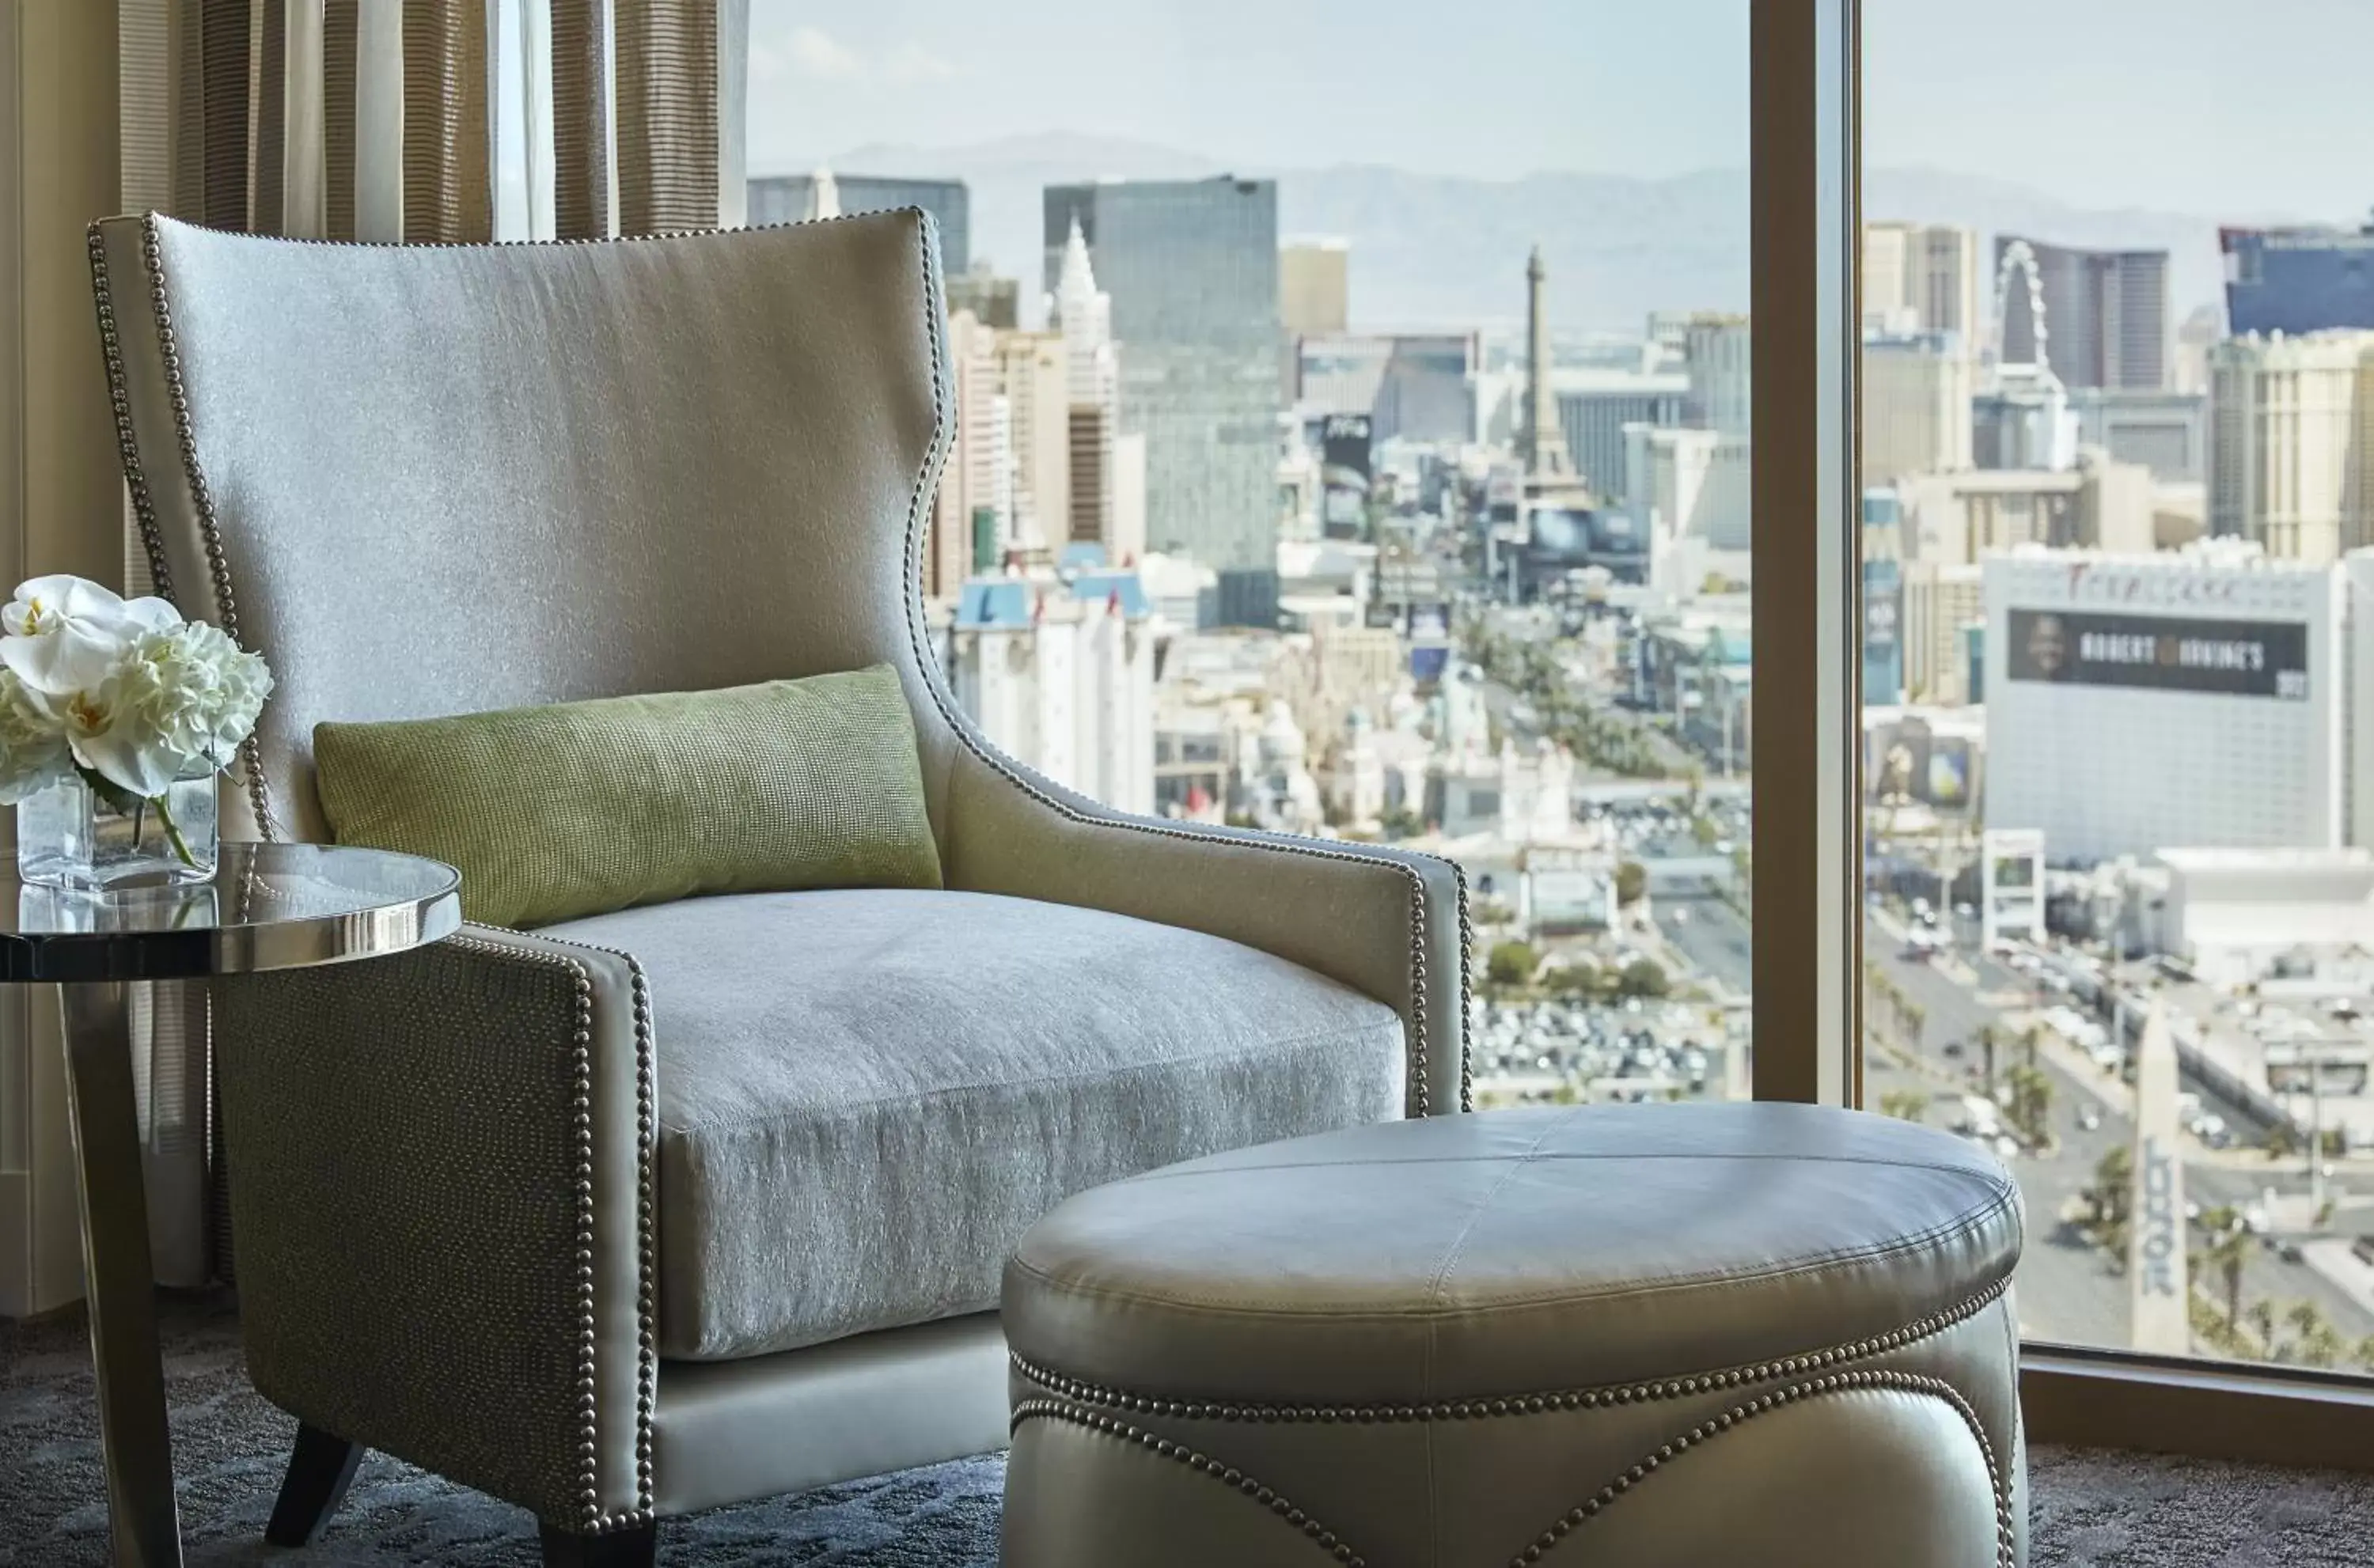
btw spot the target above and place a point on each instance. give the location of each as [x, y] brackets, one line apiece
[1430, 250]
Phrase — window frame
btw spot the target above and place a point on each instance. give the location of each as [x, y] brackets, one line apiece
[1805, 168]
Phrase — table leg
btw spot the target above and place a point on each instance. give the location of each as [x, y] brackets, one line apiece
[122, 1289]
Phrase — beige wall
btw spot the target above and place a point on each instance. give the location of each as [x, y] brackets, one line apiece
[61, 509]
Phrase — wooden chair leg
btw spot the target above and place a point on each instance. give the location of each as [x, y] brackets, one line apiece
[637, 1548]
[320, 1468]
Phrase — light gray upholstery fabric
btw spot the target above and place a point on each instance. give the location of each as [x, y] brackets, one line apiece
[866, 1096]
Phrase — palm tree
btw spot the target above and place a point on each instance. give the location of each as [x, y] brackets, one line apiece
[2262, 1313]
[2318, 1344]
[2106, 1199]
[1904, 1105]
[2226, 1253]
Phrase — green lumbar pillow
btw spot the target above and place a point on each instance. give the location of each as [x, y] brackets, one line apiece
[552, 813]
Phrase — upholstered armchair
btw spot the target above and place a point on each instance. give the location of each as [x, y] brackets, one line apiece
[693, 1203]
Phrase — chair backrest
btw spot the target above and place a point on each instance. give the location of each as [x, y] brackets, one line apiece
[439, 479]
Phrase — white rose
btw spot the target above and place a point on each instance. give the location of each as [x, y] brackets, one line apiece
[32, 744]
[64, 631]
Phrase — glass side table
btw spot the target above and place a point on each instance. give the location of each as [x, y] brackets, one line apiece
[269, 907]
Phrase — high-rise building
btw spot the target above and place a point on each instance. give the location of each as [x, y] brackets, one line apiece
[1685, 484]
[1192, 270]
[2298, 280]
[793, 198]
[1939, 599]
[1314, 288]
[2024, 421]
[1721, 369]
[1083, 313]
[2098, 317]
[2165, 431]
[1595, 405]
[2144, 702]
[996, 301]
[1034, 382]
[1921, 277]
[2200, 332]
[1417, 387]
[972, 512]
[1916, 406]
[2291, 443]
[1543, 441]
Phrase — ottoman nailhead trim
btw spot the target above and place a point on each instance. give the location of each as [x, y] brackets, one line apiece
[1519, 1404]
[2006, 1533]
[1201, 1464]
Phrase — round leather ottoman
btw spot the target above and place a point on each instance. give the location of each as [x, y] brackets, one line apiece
[1645, 1336]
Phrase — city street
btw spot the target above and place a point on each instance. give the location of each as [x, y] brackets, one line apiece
[2069, 1290]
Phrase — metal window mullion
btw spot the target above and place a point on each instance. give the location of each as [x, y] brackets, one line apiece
[1807, 598]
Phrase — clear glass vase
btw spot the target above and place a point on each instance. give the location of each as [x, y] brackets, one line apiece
[70, 835]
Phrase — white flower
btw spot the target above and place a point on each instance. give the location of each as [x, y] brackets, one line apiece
[32, 744]
[170, 701]
[63, 631]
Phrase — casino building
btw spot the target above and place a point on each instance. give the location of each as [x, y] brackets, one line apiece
[2192, 697]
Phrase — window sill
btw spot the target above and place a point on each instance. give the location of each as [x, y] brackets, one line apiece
[2293, 1416]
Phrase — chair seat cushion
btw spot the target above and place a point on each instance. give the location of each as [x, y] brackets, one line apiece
[866, 1096]
[1513, 1252]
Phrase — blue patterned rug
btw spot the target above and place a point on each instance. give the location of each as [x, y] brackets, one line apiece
[2090, 1510]
[230, 1446]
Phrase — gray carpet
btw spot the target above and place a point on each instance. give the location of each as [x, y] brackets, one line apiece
[2091, 1509]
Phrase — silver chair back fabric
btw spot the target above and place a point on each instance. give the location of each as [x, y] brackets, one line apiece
[426, 480]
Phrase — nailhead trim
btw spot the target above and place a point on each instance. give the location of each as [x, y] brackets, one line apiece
[1466, 992]
[1227, 1475]
[2006, 1531]
[593, 1520]
[1515, 1404]
[1419, 1099]
[136, 480]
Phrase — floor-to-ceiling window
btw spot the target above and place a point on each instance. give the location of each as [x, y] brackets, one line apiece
[1353, 441]
[2117, 641]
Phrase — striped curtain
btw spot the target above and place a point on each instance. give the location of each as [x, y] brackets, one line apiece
[407, 122]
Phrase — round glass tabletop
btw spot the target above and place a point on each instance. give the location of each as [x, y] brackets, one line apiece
[269, 907]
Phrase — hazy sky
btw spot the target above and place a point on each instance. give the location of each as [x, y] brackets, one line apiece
[2215, 107]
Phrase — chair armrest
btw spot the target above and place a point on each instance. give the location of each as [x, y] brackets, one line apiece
[441, 1203]
[1390, 923]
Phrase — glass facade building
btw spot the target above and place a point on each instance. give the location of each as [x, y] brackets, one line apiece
[1192, 267]
[2104, 313]
[2298, 280]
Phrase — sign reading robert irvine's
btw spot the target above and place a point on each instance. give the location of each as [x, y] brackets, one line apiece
[2163, 652]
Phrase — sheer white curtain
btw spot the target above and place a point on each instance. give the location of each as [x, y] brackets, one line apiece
[397, 121]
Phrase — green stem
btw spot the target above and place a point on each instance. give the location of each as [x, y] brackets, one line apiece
[173, 832]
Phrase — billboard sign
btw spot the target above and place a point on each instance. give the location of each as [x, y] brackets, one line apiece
[2265, 659]
[1344, 473]
[1881, 607]
[1948, 785]
[2011, 874]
